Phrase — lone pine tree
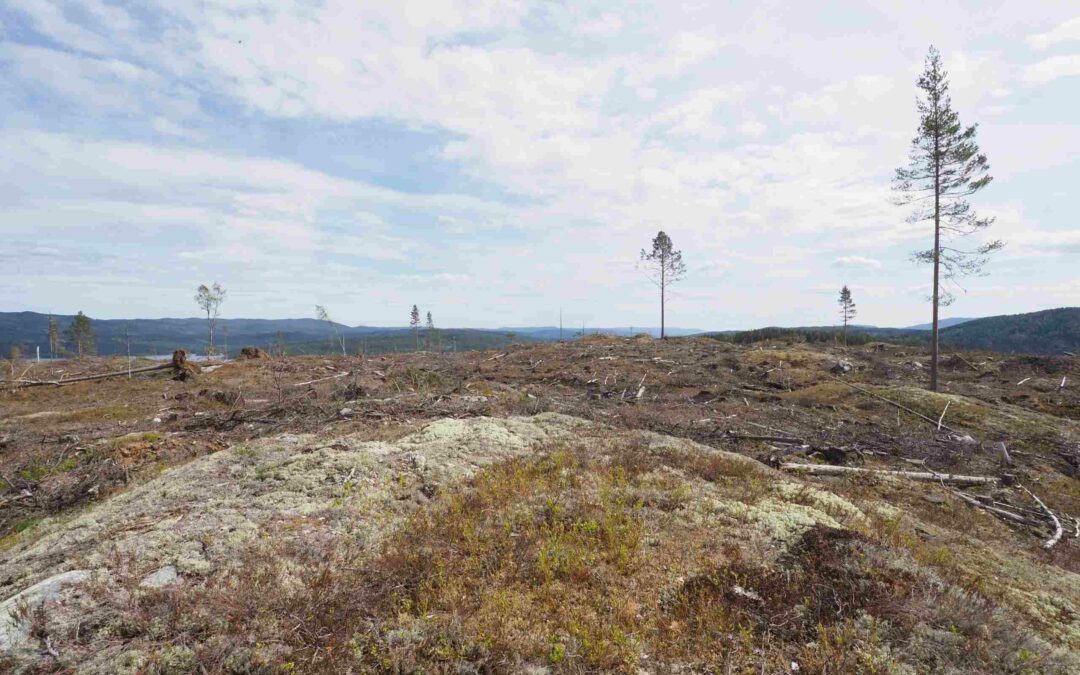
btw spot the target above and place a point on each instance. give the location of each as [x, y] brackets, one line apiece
[414, 323]
[80, 335]
[847, 309]
[944, 168]
[664, 265]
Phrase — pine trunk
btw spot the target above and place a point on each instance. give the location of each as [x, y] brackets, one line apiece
[937, 261]
[663, 263]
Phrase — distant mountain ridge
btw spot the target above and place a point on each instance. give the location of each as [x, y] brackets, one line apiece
[29, 330]
[567, 332]
[942, 323]
[1047, 331]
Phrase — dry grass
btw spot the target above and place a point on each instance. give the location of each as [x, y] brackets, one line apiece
[568, 560]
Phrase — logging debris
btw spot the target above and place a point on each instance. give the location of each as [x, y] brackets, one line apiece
[931, 476]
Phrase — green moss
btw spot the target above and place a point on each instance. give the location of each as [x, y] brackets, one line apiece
[34, 473]
[128, 439]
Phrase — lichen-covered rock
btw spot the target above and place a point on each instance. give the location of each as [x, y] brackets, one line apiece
[163, 577]
[16, 612]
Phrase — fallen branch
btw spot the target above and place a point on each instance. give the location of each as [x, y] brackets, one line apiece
[1057, 523]
[769, 439]
[1001, 513]
[946, 478]
[87, 378]
[321, 379]
[969, 363]
[906, 409]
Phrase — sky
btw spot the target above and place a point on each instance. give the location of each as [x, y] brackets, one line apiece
[495, 162]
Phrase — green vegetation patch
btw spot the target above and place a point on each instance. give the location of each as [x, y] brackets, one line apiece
[130, 439]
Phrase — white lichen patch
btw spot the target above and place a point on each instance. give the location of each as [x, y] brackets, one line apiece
[822, 500]
[783, 521]
[197, 516]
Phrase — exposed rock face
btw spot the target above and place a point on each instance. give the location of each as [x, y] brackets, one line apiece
[16, 613]
[196, 516]
[165, 576]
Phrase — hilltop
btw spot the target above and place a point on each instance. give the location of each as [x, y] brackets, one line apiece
[607, 504]
[1046, 332]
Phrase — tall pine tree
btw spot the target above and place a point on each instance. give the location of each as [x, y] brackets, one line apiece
[847, 309]
[414, 323]
[429, 333]
[80, 335]
[665, 266]
[945, 167]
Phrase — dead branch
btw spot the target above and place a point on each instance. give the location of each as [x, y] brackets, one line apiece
[1015, 518]
[87, 378]
[769, 439]
[894, 403]
[946, 478]
[969, 363]
[1057, 523]
[943, 414]
[321, 379]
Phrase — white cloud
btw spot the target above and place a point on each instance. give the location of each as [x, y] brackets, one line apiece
[53, 20]
[857, 262]
[604, 25]
[1052, 69]
[165, 126]
[753, 128]
[1068, 31]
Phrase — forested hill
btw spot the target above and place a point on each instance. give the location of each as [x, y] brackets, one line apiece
[1046, 332]
[1049, 331]
[28, 330]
